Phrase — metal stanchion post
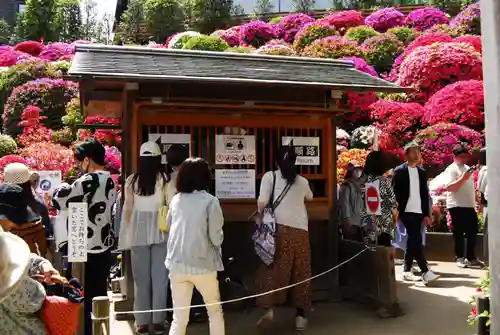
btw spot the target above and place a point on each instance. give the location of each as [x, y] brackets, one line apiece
[100, 311]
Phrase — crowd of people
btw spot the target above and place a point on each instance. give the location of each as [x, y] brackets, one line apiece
[173, 227]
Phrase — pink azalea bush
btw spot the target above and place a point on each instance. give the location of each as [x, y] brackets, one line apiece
[291, 24]
[358, 102]
[424, 18]
[32, 48]
[113, 160]
[256, 33]
[47, 156]
[469, 20]
[311, 32]
[231, 36]
[400, 119]
[9, 57]
[437, 142]
[473, 40]
[33, 129]
[332, 47]
[461, 103]
[384, 19]
[110, 137]
[344, 20]
[57, 51]
[428, 69]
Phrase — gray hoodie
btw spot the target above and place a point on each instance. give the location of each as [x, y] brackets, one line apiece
[351, 203]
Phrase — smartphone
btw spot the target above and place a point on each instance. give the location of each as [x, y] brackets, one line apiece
[471, 169]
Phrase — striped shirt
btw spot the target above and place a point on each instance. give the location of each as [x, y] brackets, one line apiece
[181, 268]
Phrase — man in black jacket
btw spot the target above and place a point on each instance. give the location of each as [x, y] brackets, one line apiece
[412, 194]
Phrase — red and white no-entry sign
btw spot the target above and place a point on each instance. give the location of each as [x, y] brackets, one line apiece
[373, 198]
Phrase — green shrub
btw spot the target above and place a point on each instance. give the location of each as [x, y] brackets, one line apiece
[22, 73]
[74, 114]
[5, 32]
[207, 43]
[241, 50]
[164, 17]
[276, 20]
[311, 33]
[361, 33]
[276, 50]
[50, 95]
[8, 145]
[335, 47]
[399, 97]
[64, 136]
[380, 51]
[404, 34]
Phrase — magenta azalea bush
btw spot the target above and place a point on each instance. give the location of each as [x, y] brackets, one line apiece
[358, 102]
[332, 47]
[57, 51]
[461, 103]
[113, 160]
[9, 57]
[344, 20]
[291, 24]
[231, 36]
[380, 51]
[424, 18]
[311, 32]
[400, 119]
[429, 68]
[50, 95]
[468, 20]
[437, 142]
[256, 33]
[473, 40]
[422, 40]
[384, 19]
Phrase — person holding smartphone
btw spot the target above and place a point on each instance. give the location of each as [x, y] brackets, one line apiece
[460, 202]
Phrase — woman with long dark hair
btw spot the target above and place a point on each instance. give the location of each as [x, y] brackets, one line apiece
[286, 192]
[146, 191]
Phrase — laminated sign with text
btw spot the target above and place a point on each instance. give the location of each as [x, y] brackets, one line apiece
[77, 235]
[306, 148]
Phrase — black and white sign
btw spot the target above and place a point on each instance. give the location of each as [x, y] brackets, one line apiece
[77, 238]
[306, 148]
[181, 143]
[235, 149]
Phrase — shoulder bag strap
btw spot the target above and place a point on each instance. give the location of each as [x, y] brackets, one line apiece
[282, 195]
[271, 197]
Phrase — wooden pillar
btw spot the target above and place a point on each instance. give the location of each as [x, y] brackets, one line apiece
[100, 311]
[127, 287]
[490, 26]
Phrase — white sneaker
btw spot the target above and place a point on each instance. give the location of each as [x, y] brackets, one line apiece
[430, 277]
[409, 276]
[266, 319]
[461, 263]
[300, 323]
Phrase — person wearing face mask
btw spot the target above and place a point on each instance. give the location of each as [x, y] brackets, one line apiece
[351, 204]
[97, 188]
[460, 201]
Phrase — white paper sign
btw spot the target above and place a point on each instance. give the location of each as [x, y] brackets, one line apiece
[166, 141]
[372, 198]
[235, 149]
[306, 148]
[235, 184]
[77, 236]
[49, 180]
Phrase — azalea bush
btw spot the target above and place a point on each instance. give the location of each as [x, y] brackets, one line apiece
[437, 142]
[358, 102]
[399, 119]
[424, 18]
[332, 47]
[110, 137]
[291, 24]
[64, 136]
[384, 19]
[32, 48]
[345, 157]
[47, 156]
[10, 57]
[207, 43]
[380, 51]
[57, 51]
[113, 160]
[473, 40]
[362, 137]
[342, 137]
[231, 36]
[360, 33]
[312, 32]
[33, 131]
[404, 34]
[469, 20]
[241, 50]
[461, 103]
[446, 29]
[344, 20]
[276, 49]
[8, 145]
[73, 114]
[50, 95]
[428, 69]
[177, 41]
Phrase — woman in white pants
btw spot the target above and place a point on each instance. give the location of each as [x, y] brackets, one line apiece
[194, 245]
[145, 192]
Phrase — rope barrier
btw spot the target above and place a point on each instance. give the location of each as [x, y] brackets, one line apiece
[250, 296]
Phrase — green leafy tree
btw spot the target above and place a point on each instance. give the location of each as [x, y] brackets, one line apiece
[164, 18]
[68, 20]
[38, 20]
[263, 8]
[5, 32]
[130, 22]
[210, 15]
[303, 6]
[89, 20]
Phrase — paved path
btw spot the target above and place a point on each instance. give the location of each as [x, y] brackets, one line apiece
[438, 310]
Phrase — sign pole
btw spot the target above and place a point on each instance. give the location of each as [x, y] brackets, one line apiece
[490, 26]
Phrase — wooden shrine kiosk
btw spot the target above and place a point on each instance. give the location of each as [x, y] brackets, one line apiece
[233, 110]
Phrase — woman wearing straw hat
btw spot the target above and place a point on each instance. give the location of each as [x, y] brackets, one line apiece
[21, 296]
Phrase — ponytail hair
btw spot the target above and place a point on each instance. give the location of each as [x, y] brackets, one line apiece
[285, 159]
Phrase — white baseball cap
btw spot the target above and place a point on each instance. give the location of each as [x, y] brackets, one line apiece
[16, 173]
[14, 255]
[150, 149]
